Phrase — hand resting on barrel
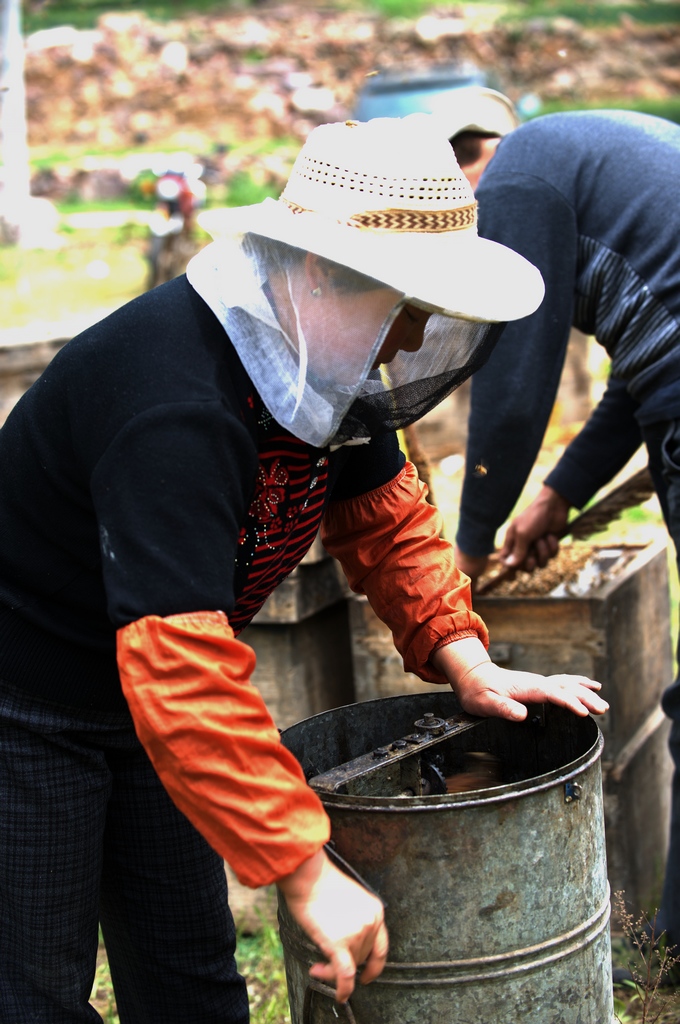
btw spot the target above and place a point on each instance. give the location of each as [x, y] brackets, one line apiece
[342, 918]
[488, 690]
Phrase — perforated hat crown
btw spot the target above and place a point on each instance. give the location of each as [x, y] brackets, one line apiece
[362, 174]
[387, 198]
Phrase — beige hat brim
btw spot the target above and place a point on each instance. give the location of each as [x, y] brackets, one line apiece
[477, 108]
[454, 272]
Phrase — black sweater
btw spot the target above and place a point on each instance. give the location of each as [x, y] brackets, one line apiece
[142, 475]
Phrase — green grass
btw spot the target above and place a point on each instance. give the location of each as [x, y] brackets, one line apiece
[400, 8]
[75, 205]
[244, 190]
[260, 960]
[594, 15]
[94, 270]
[84, 13]
[99, 268]
[668, 108]
[585, 12]
[45, 157]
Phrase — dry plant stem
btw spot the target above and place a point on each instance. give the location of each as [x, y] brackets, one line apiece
[644, 937]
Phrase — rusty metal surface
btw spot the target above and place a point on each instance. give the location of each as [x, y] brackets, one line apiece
[497, 900]
[371, 772]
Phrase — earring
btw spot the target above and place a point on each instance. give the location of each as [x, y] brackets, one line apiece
[316, 292]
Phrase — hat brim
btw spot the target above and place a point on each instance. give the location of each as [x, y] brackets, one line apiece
[476, 109]
[454, 272]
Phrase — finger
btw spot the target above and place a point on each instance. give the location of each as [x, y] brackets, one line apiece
[596, 705]
[591, 700]
[530, 562]
[517, 550]
[530, 689]
[492, 705]
[553, 543]
[573, 682]
[576, 696]
[508, 541]
[322, 971]
[340, 972]
[542, 552]
[590, 684]
[345, 974]
[376, 958]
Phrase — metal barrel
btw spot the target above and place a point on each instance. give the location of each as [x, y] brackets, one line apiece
[497, 900]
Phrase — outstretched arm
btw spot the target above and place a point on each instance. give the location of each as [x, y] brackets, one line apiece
[604, 445]
[388, 543]
[214, 746]
[512, 396]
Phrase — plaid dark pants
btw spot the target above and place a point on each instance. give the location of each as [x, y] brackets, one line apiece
[88, 834]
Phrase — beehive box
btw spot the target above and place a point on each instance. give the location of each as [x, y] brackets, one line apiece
[612, 624]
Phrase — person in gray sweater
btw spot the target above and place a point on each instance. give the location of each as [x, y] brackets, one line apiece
[590, 198]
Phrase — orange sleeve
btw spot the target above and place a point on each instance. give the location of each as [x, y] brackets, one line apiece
[214, 745]
[389, 544]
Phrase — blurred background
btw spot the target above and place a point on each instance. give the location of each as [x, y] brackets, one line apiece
[123, 125]
[100, 101]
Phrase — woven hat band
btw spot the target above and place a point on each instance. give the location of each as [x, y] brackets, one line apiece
[400, 220]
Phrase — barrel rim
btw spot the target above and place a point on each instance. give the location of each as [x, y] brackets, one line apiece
[474, 798]
[497, 795]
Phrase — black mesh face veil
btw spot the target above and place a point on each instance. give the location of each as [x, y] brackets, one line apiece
[335, 354]
[413, 383]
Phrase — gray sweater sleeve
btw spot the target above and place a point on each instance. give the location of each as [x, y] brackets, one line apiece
[513, 395]
[605, 444]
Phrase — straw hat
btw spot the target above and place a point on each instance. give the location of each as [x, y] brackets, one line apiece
[387, 198]
[476, 108]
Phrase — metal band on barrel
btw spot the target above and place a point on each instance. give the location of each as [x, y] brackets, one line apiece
[422, 221]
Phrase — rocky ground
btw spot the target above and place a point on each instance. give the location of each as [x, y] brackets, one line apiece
[221, 81]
